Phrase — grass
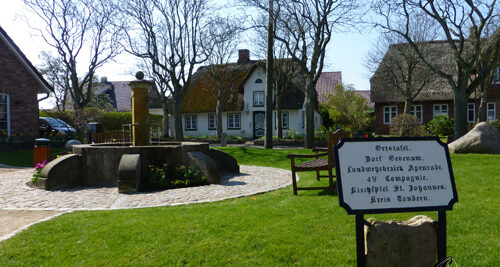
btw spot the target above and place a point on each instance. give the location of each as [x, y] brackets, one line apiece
[22, 157]
[272, 229]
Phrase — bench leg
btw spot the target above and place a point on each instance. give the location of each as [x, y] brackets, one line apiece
[330, 181]
[317, 175]
[294, 182]
[294, 177]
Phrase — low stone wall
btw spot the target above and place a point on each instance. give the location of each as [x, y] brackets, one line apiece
[292, 143]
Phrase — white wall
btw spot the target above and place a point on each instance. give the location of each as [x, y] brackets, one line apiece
[246, 115]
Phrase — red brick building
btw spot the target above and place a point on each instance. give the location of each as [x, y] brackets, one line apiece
[436, 97]
[20, 83]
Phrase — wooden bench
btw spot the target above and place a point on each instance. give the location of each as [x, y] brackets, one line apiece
[318, 163]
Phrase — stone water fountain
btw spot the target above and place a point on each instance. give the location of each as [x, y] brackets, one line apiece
[125, 166]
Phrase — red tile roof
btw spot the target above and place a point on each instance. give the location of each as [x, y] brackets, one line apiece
[326, 83]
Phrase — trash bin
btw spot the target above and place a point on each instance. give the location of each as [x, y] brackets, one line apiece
[92, 128]
[41, 151]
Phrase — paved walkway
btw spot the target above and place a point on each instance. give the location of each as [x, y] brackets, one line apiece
[16, 195]
[22, 206]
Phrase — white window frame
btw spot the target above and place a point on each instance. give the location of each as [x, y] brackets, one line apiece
[493, 110]
[8, 114]
[440, 111]
[392, 111]
[417, 113]
[258, 102]
[285, 120]
[212, 121]
[232, 123]
[190, 122]
[471, 110]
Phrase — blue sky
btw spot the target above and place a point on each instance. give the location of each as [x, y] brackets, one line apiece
[345, 53]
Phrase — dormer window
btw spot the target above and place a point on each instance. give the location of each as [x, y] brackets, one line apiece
[258, 81]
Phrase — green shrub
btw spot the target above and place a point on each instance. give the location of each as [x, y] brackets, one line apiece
[167, 177]
[293, 134]
[113, 121]
[495, 123]
[441, 125]
[406, 125]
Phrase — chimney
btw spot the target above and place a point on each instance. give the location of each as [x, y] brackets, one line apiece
[243, 56]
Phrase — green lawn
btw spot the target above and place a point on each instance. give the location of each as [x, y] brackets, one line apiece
[272, 229]
[22, 157]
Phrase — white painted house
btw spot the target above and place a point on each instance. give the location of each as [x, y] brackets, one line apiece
[243, 103]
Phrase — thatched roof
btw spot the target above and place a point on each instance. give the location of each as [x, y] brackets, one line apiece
[201, 96]
[202, 93]
[439, 53]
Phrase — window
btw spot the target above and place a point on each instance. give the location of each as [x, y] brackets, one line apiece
[440, 109]
[212, 121]
[284, 120]
[258, 98]
[233, 121]
[389, 113]
[190, 123]
[471, 112]
[258, 81]
[4, 115]
[491, 111]
[417, 112]
[496, 76]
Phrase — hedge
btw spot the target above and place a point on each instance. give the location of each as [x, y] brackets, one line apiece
[112, 121]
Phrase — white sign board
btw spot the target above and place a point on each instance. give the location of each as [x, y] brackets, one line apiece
[394, 174]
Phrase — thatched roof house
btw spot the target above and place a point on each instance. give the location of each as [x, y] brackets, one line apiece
[243, 100]
[436, 96]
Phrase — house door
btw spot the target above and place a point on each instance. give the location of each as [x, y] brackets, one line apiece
[259, 119]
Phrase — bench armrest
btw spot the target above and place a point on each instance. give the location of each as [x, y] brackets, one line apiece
[317, 149]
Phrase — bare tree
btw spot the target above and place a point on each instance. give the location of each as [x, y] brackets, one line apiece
[224, 39]
[53, 70]
[398, 64]
[487, 57]
[306, 29]
[286, 72]
[463, 24]
[161, 90]
[170, 36]
[76, 29]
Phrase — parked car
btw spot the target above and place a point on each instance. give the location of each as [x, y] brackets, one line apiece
[49, 125]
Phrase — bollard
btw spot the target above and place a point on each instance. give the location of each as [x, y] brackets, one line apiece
[41, 151]
[93, 128]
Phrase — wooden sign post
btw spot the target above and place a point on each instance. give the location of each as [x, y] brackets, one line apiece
[387, 175]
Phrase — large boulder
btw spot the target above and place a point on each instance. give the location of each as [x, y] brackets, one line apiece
[401, 243]
[483, 138]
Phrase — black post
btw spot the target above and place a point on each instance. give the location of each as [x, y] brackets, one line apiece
[441, 234]
[360, 240]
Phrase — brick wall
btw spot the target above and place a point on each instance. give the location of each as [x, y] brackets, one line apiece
[19, 84]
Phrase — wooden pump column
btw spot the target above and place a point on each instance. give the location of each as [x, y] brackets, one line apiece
[140, 119]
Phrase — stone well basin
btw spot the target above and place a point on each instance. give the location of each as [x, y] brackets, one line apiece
[99, 164]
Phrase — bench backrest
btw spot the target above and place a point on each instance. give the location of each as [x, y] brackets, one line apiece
[333, 139]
